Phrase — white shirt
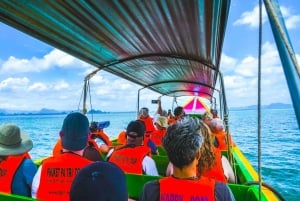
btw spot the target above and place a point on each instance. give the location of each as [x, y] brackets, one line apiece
[36, 182]
[228, 172]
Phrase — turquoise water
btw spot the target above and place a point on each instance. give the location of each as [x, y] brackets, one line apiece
[280, 141]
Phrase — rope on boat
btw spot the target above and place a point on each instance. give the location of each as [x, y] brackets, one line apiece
[86, 90]
[251, 183]
[259, 99]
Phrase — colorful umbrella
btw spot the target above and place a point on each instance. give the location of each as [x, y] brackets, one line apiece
[195, 106]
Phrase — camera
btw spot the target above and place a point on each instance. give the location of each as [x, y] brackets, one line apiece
[154, 101]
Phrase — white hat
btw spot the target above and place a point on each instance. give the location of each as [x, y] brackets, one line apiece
[162, 121]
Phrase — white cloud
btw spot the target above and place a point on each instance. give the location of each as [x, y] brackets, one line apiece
[242, 86]
[251, 18]
[60, 85]
[37, 87]
[292, 22]
[14, 83]
[228, 63]
[55, 58]
[247, 67]
[63, 60]
[298, 59]
[14, 65]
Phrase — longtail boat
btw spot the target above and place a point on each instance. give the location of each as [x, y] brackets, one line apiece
[172, 47]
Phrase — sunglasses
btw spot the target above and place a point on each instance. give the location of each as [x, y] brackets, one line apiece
[133, 136]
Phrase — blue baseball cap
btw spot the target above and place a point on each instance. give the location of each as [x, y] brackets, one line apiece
[103, 124]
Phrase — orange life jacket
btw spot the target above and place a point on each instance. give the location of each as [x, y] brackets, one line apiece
[181, 189]
[57, 176]
[171, 120]
[122, 137]
[221, 139]
[130, 157]
[8, 168]
[103, 136]
[157, 136]
[57, 149]
[148, 121]
[216, 172]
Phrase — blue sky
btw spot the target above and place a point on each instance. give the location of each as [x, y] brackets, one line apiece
[34, 75]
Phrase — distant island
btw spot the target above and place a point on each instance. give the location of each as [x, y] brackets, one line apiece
[45, 111]
[270, 106]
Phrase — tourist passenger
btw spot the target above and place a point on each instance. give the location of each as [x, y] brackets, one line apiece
[149, 125]
[212, 163]
[206, 118]
[98, 135]
[218, 131]
[54, 177]
[179, 113]
[16, 168]
[182, 143]
[171, 118]
[160, 111]
[99, 181]
[147, 119]
[134, 157]
[214, 113]
[161, 124]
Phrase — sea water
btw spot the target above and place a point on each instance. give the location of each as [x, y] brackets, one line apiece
[280, 140]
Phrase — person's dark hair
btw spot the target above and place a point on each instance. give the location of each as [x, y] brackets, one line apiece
[178, 110]
[93, 126]
[183, 141]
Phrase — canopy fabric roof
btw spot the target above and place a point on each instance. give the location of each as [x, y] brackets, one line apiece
[171, 46]
[195, 106]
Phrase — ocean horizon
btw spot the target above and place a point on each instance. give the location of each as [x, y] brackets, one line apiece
[47, 111]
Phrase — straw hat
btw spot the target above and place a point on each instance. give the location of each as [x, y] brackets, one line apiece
[162, 121]
[13, 141]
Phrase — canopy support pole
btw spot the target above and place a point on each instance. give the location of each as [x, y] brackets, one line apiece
[286, 53]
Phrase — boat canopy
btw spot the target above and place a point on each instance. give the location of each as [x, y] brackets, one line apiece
[172, 47]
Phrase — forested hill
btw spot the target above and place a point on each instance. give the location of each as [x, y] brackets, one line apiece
[270, 106]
